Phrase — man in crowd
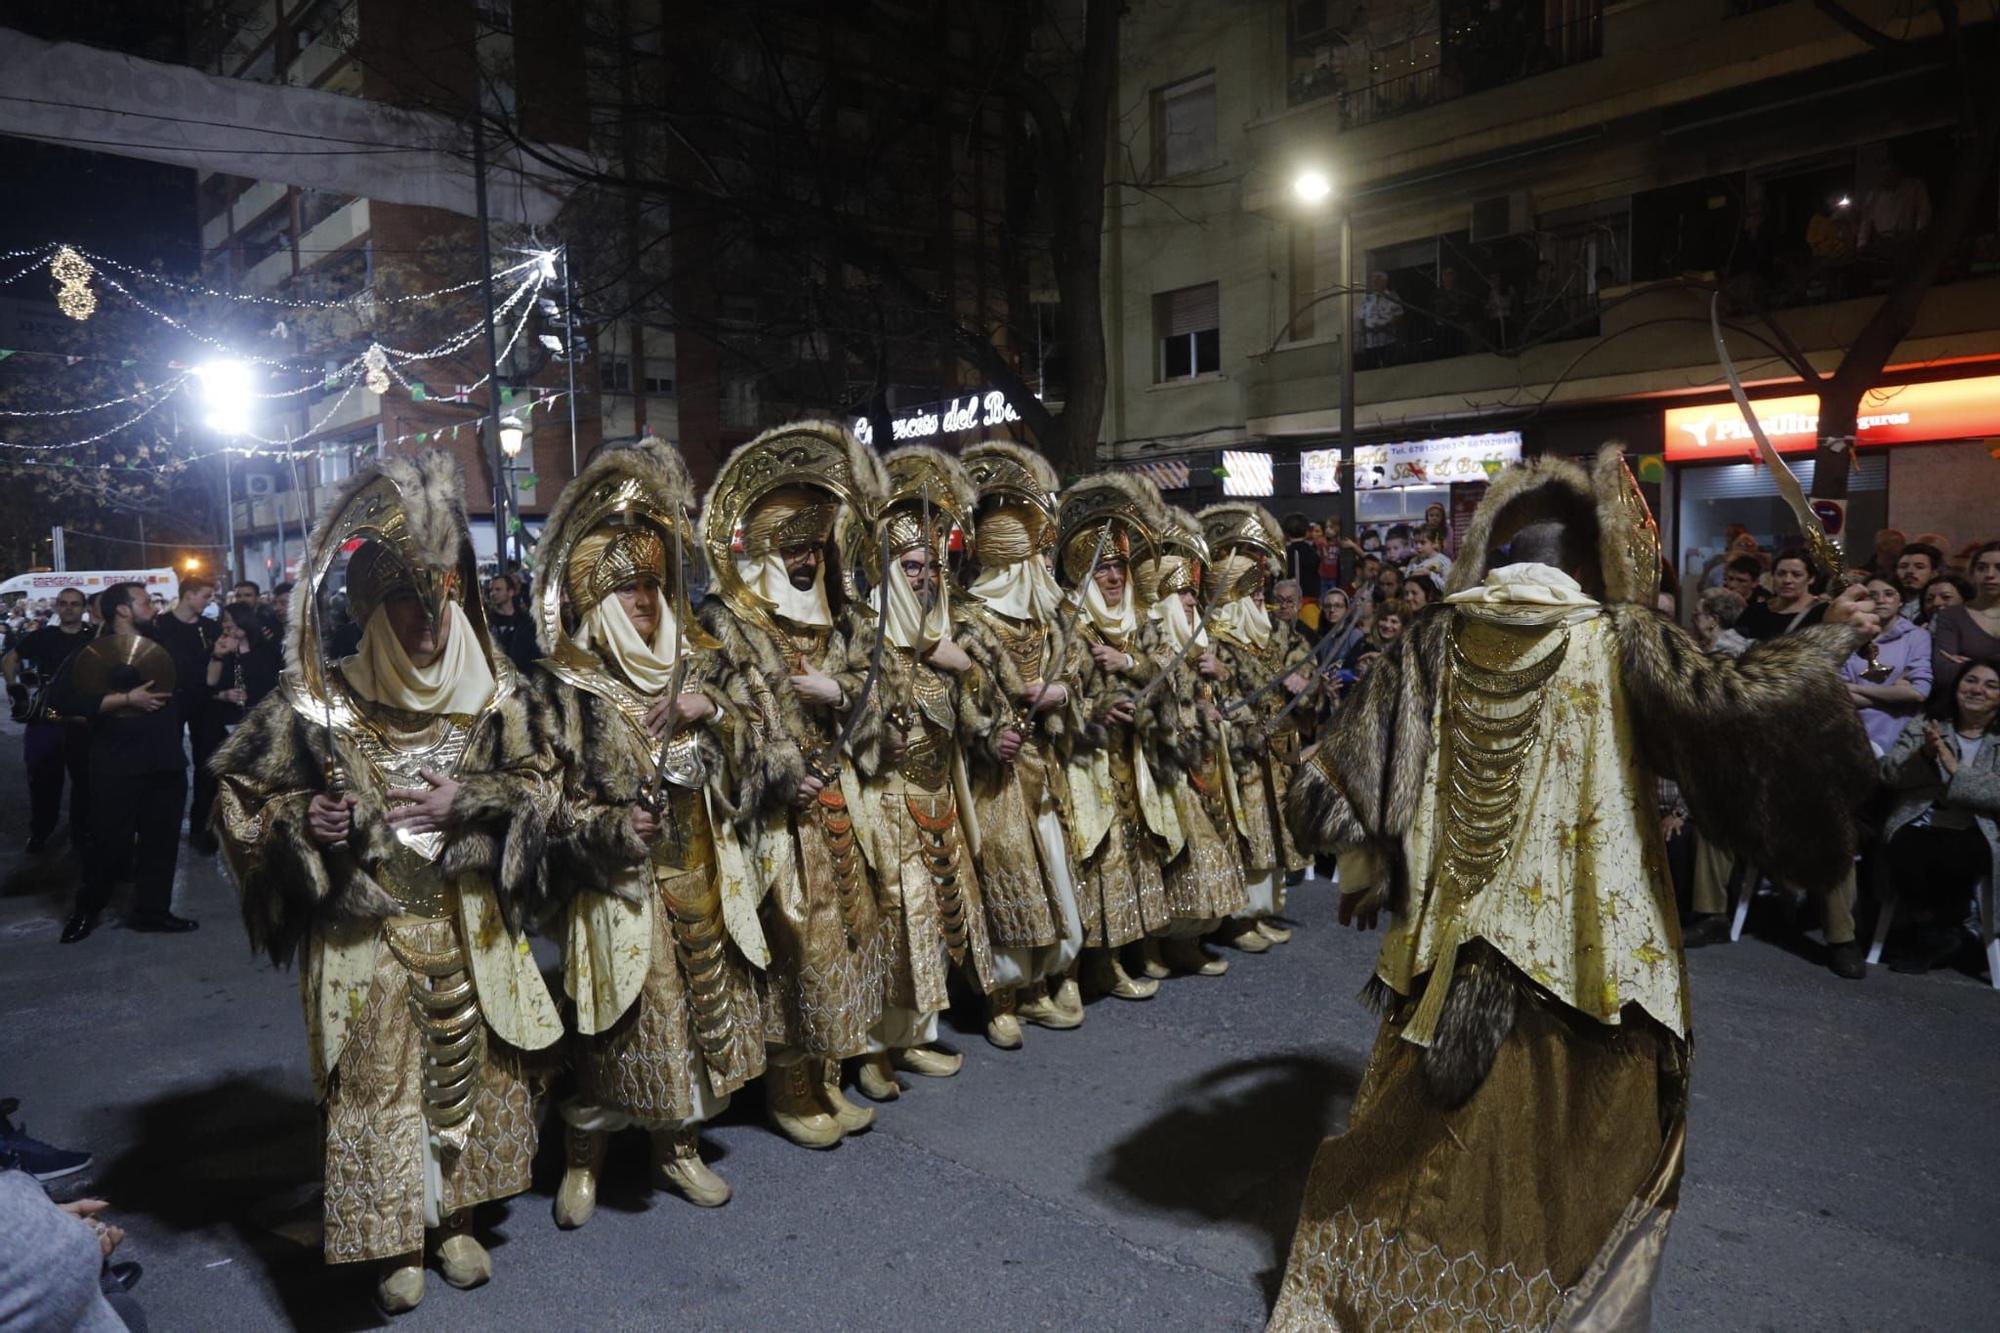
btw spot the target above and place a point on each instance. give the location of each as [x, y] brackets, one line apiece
[138, 777]
[513, 626]
[1287, 600]
[189, 637]
[1915, 568]
[247, 591]
[1740, 576]
[54, 745]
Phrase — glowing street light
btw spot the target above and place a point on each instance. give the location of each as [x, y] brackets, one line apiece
[191, 565]
[226, 390]
[1312, 186]
[512, 433]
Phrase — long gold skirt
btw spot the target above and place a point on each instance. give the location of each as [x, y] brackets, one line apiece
[696, 1017]
[824, 985]
[1205, 882]
[375, 1130]
[1507, 1213]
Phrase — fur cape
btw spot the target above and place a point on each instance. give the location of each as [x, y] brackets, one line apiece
[772, 761]
[276, 762]
[1068, 726]
[607, 770]
[1765, 747]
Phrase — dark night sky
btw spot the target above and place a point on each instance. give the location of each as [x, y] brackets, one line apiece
[122, 207]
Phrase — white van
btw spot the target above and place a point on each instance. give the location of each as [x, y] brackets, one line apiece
[45, 584]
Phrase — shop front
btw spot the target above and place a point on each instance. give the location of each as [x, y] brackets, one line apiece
[1924, 464]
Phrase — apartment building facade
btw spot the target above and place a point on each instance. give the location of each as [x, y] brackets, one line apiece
[1531, 203]
[268, 238]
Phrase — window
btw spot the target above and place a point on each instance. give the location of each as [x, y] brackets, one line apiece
[659, 381]
[1187, 328]
[739, 403]
[1184, 127]
[615, 374]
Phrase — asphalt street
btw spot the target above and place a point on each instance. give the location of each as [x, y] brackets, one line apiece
[1142, 1171]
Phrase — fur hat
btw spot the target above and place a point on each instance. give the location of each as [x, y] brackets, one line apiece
[1603, 508]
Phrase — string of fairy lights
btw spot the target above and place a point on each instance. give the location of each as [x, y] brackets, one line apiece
[78, 275]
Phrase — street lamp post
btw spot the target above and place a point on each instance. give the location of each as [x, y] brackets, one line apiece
[1314, 188]
[512, 434]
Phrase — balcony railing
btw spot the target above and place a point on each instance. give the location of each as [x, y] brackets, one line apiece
[1495, 49]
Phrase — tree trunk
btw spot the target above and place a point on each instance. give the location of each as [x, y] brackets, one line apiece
[1079, 246]
[1860, 369]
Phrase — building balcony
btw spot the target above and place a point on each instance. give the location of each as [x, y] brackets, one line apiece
[250, 204]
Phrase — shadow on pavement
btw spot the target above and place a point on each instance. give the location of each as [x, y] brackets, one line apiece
[1234, 1148]
[244, 1153]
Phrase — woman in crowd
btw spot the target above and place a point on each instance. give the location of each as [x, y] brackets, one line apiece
[1420, 591]
[1385, 626]
[1904, 650]
[1793, 605]
[1961, 634]
[1944, 829]
[244, 665]
[1943, 591]
[1334, 619]
[1715, 620]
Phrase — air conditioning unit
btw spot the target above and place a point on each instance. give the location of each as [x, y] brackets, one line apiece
[259, 483]
[1501, 215]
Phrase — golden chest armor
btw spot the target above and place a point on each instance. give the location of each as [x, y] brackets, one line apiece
[397, 747]
[1024, 644]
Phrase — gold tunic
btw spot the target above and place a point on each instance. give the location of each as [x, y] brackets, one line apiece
[1121, 896]
[1018, 888]
[929, 892]
[825, 931]
[697, 1014]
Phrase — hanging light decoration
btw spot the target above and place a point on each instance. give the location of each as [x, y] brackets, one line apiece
[72, 274]
[376, 362]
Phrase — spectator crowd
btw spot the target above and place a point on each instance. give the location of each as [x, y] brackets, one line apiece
[1926, 692]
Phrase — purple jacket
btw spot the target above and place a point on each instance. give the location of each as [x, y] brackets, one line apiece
[1906, 651]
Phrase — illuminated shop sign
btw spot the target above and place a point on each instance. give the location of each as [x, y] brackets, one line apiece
[1902, 414]
[1319, 471]
[972, 412]
[1435, 462]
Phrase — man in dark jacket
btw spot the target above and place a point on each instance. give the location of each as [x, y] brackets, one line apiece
[138, 778]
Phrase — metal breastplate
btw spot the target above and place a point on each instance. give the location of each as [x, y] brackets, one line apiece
[398, 746]
[804, 648]
[929, 724]
[1023, 643]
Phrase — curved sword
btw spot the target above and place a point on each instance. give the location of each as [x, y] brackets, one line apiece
[1824, 553]
[1070, 612]
[658, 800]
[826, 763]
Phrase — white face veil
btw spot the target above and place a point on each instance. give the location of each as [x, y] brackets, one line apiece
[905, 621]
[769, 579]
[1121, 620]
[459, 681]
[608, 631]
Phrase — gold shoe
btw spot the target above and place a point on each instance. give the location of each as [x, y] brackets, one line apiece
[1272, 931]
[1250, 940]
[1152, 962]
[677, 1166]
[462, 1260]
[1003, 1029]
[1187, 955]
[929, 1061]
[576, 1200]
[1043, 1011]
[874, 1080]
[1069, 998]
[851, 1118]
[793, 1108]
[1124, 986]
[400, 1283]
